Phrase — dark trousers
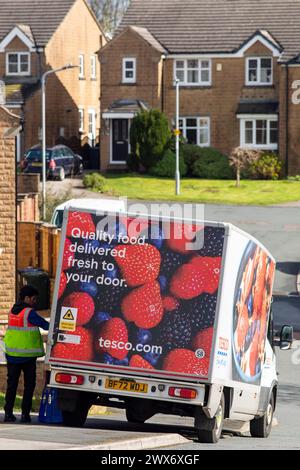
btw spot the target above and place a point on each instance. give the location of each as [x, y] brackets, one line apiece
[13, 375]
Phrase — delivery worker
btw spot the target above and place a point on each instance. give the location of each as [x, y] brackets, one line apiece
[23, 345]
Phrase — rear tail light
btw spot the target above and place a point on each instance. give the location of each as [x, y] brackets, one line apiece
[52, 164]
[188, 393]
[72, 379]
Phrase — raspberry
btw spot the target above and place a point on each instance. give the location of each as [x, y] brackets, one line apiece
[170, 303]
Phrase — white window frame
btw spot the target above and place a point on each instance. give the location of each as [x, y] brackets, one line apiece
[81, 66]
[125, 69]
[19, 54]
[198, 128]
[254, 118]
[81, 119]
[258, 82]
[92, 135]
[93, 67]
[185, 69]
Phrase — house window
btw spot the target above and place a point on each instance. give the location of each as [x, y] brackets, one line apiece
[18, 63]
[193, 72]
[260, 133]
[93, 67]
[196, 130]
[92, 127]
[129, 70]
[81, 119]
[81, 66]
[259, 71]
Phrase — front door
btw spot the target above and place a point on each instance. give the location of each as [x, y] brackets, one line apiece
[119, 140]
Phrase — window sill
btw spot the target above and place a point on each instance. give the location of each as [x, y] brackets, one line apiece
[259, 86]
[128, 84]
[93, 79]
[194, 87]
[82, 78]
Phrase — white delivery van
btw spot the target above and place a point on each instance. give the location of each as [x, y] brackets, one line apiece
[144, 320]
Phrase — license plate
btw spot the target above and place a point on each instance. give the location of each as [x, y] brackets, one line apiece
[126, 386]
[36, 164]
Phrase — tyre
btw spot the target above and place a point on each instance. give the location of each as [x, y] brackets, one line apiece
[261, 427]
[62, 174]
[212, 427]
[77, 417]
[133, 417]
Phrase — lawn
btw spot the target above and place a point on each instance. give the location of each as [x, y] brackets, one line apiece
[17, 407]
[204, 191]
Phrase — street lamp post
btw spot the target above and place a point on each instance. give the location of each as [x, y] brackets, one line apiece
[44, 77]
[177, 132]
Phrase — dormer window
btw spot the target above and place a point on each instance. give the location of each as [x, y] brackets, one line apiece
[18, 63]
[259, 71]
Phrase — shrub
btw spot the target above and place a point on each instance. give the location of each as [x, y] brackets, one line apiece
[191, 153]
[167, 166]
[95, 182]
[149, 137]
[268, 166]
[240, 159]
[212, 164]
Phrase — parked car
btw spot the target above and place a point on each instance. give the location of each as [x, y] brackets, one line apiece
[61, 161]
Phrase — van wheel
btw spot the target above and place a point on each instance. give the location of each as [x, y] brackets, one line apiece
[210, 430]
[138, 411]
[133, 417]
[76, 418]
[62, 174]
[261, 427]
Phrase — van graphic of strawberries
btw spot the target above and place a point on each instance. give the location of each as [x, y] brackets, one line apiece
[143, 306]
[84, 304]
[62, 284]
[184, 361]
[140, 265]
[82, 352]
[111, 333]
[200, 275]
[68, 255]
[79, 220]
[203, 340]
[180, 236]
[138, 361]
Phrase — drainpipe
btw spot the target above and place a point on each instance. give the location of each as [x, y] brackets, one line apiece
[286, 120]
[163, 84]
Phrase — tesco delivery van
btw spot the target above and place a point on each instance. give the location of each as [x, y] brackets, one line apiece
[161, 315]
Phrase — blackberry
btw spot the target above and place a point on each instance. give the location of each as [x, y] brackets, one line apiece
[175, 331]
[109, 298]
[170, 262]
[203, 310]
[213, 241]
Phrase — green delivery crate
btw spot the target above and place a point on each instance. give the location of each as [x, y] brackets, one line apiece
[38, 279]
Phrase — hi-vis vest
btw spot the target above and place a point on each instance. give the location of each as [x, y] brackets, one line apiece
[22, 339]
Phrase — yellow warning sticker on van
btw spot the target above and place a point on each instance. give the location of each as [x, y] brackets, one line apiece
[68, 318]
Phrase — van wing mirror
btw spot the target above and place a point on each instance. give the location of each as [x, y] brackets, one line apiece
[286, 337]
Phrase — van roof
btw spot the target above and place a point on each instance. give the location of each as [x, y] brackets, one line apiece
[91, 204]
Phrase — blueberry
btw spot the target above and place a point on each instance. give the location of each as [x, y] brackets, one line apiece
[152, 358]
[100, 317]
[144, 336]
[250, 305]
[117, 229]
[114, 274]
[90, 288]
[248, 339]
[156, 236]
[258, 368]
[107, 359]
[93, 243]
[162, 282]
[121, 362]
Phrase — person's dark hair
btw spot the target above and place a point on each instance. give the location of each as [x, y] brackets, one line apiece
[27, 291]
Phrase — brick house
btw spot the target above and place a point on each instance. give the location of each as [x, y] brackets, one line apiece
[238, 66]
[9, 127]
[44, 35]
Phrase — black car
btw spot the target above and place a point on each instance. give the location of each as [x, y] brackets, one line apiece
[61, 161]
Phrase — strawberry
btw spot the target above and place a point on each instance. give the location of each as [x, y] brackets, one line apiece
[254, 352]
[196, 277]
[140, 265]
[203, 340]
[242, 327]
[62, 284]
[180, 235]
[140, 362]
[67, 255]
[111, 333]
[185, 362]
[170, 303]
[82, 351]
[82, 221]
[85, 305]
[143, 306]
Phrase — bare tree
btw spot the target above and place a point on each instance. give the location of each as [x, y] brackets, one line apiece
[240, 158]
[109, 12]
